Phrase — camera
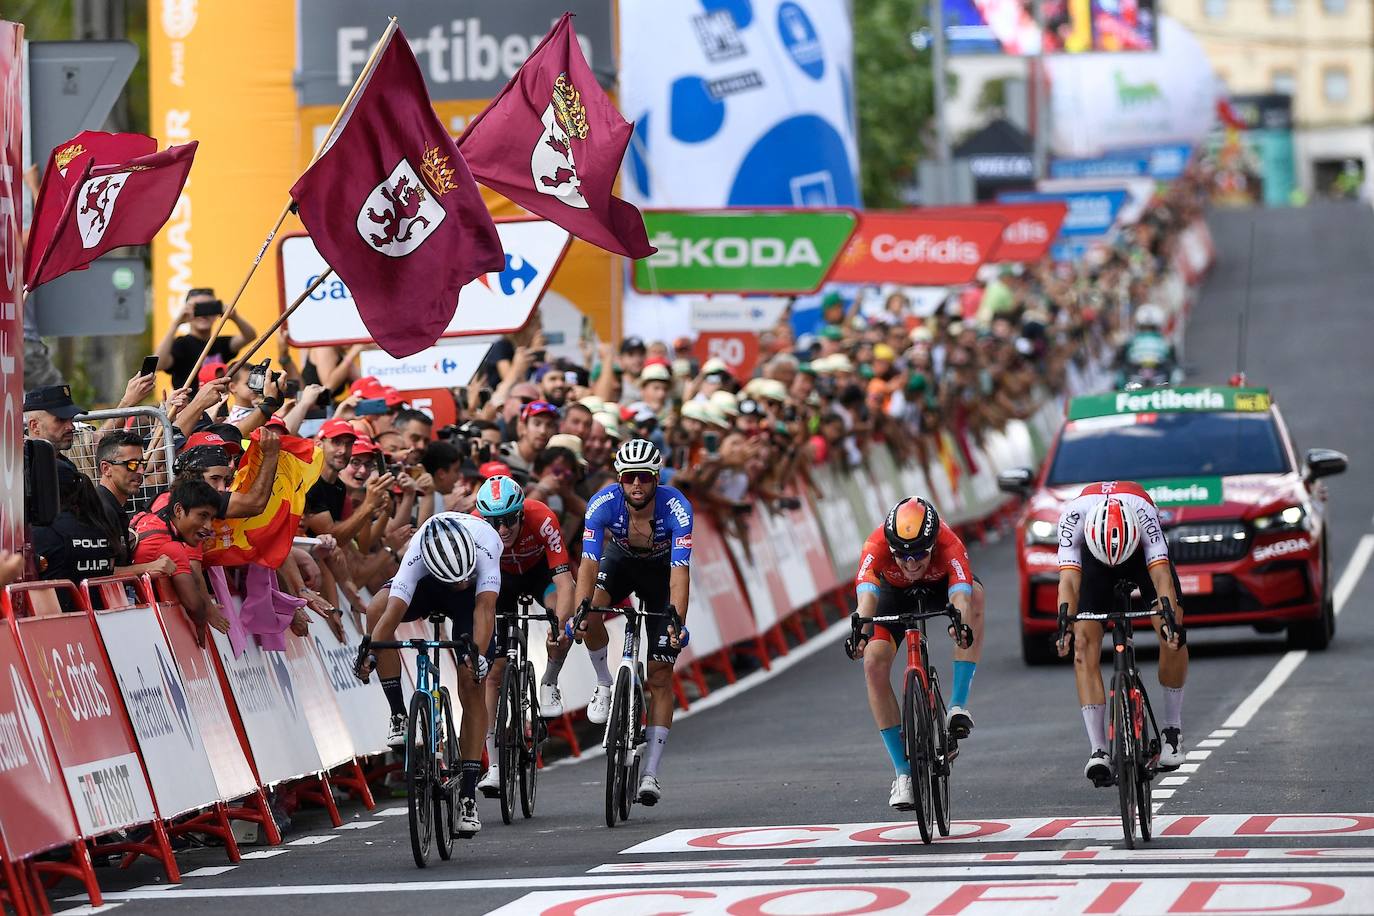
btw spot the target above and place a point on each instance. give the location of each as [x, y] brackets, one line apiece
[257, 376]
[208, 308]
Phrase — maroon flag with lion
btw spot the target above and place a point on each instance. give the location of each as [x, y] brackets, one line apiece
[110, 206]
[553, 142]
[391, 206]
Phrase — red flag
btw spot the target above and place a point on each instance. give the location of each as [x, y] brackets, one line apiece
[393, 209]
[552, 142]
[67, 163]
[266, 537]
[111, 206]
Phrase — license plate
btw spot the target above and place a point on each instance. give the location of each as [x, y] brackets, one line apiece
[1195, 583]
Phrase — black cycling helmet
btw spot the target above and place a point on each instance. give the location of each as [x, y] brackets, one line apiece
[911, 527]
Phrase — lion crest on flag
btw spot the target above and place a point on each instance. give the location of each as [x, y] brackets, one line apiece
[551, 163]
[97, 206]
[401, 212]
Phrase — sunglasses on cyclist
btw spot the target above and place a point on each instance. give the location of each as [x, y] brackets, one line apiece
[912, 556]
[133, 464]
[509, 520]
[642, 477]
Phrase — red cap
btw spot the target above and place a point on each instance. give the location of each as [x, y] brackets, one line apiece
[207, 438]
[333, 429]
[494, 469]
[364, 446]
[276, 422]
[535, 408]
[369, 387]
[209, 372]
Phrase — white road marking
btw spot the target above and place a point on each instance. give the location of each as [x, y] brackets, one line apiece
[1187, 768]
[357, 825]
[1222, 733]
[265, 853]
[313, 840]
[1162, 793]
[1173, 780]
[1212, 742]
[87, 909]
[1350, 576]
[398, 811]
[209, 871]
[1198, 755]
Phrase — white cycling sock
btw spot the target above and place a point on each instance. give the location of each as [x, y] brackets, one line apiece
[657, 736]
[491, 746]
[1095, 720]
[551, 672]
[1173, 708]
[598, 657]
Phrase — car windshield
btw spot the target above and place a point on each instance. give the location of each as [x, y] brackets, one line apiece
[1185, 444]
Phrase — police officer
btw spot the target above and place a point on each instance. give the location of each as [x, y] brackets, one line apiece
[80, 543]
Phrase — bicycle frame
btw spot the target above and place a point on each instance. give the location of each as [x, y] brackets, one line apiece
[629, 658]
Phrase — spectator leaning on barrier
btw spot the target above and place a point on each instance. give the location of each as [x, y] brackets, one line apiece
[120, 463]
[177, 532]
[81, 543]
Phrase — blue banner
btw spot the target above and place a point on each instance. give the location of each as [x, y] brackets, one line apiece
[1164, 162]
[1091, 213]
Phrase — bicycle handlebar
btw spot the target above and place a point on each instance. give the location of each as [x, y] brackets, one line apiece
[1164, 610]
[463, 646]
[675, 620]
[962, 635]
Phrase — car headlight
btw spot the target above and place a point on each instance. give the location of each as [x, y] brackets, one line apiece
[1290, 519]
[1042, 532]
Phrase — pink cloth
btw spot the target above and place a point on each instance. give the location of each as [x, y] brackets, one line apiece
[238, 633]
[266, 611]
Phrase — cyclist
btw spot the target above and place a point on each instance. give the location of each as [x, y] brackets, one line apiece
[914, 549]
[1119, 523]
[452, 565]
[534, 561]
[1147, 351]
[638, 538]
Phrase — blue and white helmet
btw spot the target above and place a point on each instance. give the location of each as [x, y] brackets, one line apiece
[448, 549]
[498, 496]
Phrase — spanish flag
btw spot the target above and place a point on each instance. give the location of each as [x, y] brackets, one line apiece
[266, 538]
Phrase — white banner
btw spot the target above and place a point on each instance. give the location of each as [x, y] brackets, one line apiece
[332, 738]
[108, 794]
[363, 706]
[735, 313]
[450, 365]
[160, 710]
[494, 304]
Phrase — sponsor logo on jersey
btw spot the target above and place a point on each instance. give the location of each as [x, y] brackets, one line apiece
[549, 531]
[679, 511]
[1280, 549]
[684, 542]
[599, 501]
[587, 535]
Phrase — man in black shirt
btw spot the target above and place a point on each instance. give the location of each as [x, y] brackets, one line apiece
[324, 502]
[79, 544]
[119, 461]
[178, 355]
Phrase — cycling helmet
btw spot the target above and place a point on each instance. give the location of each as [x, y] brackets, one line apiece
[498, 496]
[912, 526]
[1150, 316]
[448, 549]
[638, 455]
[1111, 532]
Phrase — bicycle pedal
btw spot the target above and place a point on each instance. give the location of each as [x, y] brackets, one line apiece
[1104, 782]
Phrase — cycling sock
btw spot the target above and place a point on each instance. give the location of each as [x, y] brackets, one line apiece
[1173, 708]
[598, 657]
[892, 740]
[963, 680]
[657, 736]
[491, 746]
[1094, 719]
[551, 672]
[391, 686]
[467, 778]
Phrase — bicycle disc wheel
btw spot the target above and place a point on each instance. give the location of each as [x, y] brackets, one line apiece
[940, 767]
[446, 780]
[530, 725]
[1123, 756]
[916, 736]
[508, 738]
[420, 778]
[617, 743]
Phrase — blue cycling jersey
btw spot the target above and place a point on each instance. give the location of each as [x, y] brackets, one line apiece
[609, 516]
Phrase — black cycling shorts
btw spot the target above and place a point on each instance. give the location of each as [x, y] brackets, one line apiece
[456, 604]
[533, 582]
[899, 600]
[622, 573]
[1097, 594]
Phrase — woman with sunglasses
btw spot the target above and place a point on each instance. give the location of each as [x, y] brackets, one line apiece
[914, 548]
[638, 538]
[534, 561]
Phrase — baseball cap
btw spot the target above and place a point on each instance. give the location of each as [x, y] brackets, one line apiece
[655, 372]
[207, 438]
[633, 343]
[571, 443]
[715, 365]
[592, 403]
[726, 402]
[53, 399]
[333, 429]
[771, 389]
[487, 470]
[232, 436]
[211, 371]
[364, 445]
[610, 423]
[884, 352]
[536, 408]
[370, 388]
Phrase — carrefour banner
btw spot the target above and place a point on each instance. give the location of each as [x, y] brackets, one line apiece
[1162, 162]
[739, 103]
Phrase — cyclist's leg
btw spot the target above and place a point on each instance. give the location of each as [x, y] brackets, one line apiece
[1173, 675]
[505, 604]
[878, 656]
[610, 588]
[966, 662]
[471, 696]
[382, 627]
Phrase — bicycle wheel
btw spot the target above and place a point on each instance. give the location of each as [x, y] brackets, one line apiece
[617, 744]
[916, 736]
[530, 726]
[446, 781]
[508, 738]
[1123, 757]
[420, 777]
[940, 764]
[634, 743]
[1143, 775]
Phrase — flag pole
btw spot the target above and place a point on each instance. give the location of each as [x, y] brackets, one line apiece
[286, 210]
[281, 319]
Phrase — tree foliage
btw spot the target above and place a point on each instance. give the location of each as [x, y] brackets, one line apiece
[895, 96]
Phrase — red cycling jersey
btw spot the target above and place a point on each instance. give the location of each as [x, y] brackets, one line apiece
[539, 540]
[877, 566]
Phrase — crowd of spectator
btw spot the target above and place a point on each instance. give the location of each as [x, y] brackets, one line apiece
[877, 372]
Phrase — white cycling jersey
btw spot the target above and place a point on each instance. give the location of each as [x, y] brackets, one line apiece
[486, 577]
[1133, 499]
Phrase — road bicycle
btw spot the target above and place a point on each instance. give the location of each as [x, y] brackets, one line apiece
[1132, 732]
[930, 749]
[519, 728]
[432, 764]
[625, 735]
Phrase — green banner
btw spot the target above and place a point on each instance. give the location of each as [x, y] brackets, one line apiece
[1170, 400]
[1184, 491]
[742, 251]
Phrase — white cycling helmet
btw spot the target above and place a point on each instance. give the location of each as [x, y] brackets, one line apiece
[1150, 315]
[638, 455]
[447, 547]
[1111, 532]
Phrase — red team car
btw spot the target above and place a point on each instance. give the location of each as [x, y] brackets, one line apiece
[1244, 517]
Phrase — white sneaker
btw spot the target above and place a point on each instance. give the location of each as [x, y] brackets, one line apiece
[1099, 768]
[396, 735]
[959, 722]
[1171, 754]
[599, 706]
[550, 701]
[649, 791]
[903, 797]
[490, 783]
[469, 824]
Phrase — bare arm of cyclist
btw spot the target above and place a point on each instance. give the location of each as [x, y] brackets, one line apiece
[1070, 581]
[679, 589]
[484, 619]
[1161, 575]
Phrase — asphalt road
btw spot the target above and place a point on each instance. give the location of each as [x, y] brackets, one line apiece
[799, 749]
